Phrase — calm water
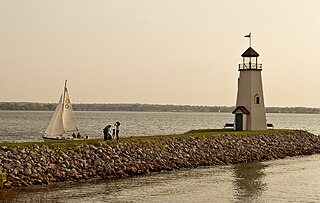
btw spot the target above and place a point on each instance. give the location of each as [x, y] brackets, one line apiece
[19, 126]
[288, 180]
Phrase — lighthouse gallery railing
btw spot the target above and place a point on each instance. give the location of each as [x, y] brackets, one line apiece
[250, 66]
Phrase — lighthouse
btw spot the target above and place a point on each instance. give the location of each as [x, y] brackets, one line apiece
[250, 111]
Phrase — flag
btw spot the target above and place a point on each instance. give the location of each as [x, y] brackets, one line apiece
[249, 35]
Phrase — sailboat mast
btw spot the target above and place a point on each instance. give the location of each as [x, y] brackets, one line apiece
[63, 100]
[64, 92]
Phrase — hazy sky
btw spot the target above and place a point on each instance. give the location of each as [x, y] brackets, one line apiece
[157, 51]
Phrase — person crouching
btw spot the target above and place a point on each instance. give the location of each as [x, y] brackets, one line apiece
[106, 133]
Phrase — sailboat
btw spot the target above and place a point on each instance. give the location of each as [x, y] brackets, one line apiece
[63, 124]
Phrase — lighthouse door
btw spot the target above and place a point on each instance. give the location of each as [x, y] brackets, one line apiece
[239, 121]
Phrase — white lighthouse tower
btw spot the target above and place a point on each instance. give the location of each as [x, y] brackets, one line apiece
[250, 111]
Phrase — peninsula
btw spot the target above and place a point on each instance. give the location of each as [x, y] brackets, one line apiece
[28, 164]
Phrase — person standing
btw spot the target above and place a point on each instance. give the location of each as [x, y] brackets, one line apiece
[106, 132]
[117, 129]
[113, 133]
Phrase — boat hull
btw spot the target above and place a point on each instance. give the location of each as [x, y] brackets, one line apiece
[64, 137]
[59, 138]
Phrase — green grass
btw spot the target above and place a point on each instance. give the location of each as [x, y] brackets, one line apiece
[53, 143]
[210, 132]
[193, 133]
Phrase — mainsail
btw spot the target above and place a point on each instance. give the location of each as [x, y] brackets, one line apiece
[56, 125]
[63, 119]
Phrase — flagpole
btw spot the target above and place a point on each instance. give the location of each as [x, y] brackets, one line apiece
[249, 35]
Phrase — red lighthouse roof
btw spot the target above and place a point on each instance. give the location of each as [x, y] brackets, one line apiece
[250, 53]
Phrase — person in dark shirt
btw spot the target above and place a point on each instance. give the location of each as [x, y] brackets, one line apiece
[106, 132]
[117, 129]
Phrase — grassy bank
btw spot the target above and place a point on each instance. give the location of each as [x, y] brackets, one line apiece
[193, 133]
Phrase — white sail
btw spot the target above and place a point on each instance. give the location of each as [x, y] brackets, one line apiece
[63, 121]
[56, 125]
[69, 120]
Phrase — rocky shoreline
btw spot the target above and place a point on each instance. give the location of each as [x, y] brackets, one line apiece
[41, 165]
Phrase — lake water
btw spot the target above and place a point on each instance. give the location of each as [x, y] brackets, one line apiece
[294, 179]
[21, 126]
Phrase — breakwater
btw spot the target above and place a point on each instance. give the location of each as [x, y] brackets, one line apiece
[45, 164]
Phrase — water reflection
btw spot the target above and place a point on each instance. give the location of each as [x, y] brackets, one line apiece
[9, 196]
[26, 195]
[248, 181]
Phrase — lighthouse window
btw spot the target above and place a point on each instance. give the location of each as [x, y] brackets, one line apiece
[257, 99]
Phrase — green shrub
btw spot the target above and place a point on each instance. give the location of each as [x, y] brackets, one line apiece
[3, 179]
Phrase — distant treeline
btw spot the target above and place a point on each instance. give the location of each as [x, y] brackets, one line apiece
[28, 106]
[114, 107]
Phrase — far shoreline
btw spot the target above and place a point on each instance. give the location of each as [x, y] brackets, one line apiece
[136, 107]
